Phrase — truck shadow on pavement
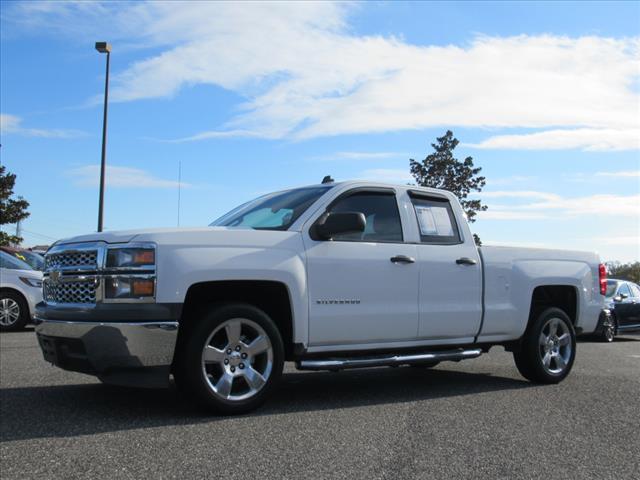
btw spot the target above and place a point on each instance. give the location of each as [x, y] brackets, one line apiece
[618, 339]
[85, 409]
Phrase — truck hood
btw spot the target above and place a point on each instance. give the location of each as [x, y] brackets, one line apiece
[204, 236]
[121, 236]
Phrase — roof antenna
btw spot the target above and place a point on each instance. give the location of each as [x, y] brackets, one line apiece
[327, 179]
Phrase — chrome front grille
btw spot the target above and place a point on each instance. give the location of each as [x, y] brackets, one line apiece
[70, 259]
[70, 292]
[71, 274]
[77, 274]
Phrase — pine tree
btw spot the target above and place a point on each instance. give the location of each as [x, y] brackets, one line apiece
[12, 210]
[441, 169]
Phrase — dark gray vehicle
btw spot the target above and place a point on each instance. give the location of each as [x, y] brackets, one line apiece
[622, 309]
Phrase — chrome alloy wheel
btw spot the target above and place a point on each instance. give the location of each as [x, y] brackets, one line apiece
[9, 312]
[555, 346]
[237, 359]
[609, 329]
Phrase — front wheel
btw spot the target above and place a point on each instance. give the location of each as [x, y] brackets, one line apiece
[548, 348]
[233, 358]
[14, 312]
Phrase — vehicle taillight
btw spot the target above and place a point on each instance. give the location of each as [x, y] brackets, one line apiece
[602, 270]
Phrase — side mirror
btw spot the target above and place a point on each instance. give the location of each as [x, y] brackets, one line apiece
[623, 296]
[618, 298]
[336, 223]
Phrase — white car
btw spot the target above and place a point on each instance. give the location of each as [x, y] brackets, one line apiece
[20, 291]
[331, 276]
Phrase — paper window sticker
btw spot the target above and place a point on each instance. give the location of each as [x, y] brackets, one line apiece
[426, 221]
[442, 221]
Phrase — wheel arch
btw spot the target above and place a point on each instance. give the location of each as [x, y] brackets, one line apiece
[564, 297]
[16, 291]
[272, 297]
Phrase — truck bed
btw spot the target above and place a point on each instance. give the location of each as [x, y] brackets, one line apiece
[510, 274]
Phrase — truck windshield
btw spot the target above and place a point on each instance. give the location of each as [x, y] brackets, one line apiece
[274, 211]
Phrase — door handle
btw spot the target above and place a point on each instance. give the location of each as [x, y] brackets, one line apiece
[402, 259]
[466, 261]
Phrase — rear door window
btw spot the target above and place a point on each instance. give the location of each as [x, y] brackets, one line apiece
[436, 221]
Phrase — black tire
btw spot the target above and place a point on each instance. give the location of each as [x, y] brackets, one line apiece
[15, 298]
[194, 378]
[530, 357]
[609, 329]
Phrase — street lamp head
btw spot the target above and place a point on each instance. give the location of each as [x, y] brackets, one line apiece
[103, 47]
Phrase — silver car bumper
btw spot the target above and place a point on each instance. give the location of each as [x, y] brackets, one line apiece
[137, 354]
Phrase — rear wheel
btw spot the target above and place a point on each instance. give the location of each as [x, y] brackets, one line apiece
[608, 332]
[233, 359]
[14, 312]
[548, 348]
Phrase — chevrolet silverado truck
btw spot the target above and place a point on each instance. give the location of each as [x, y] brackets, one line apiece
[331, 276]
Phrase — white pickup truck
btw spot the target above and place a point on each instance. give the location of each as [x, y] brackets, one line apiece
[331, 276]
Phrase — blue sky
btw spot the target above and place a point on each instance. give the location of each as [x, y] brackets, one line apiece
[256, 97]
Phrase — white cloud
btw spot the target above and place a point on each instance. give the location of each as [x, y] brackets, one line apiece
[304, 73]
[601, 204]
[513, 179]
[599, 176]
[8, 122]
[217, 134]
[516, 244]
[500, 212]
[620, 240]
[360, 156]
[12, 124]
[120, 177]
[622, 174]
[550, 205]
[388, 175]
[590, 139]
[520, 194]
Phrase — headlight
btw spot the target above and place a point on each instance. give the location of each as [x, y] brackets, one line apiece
[130, 257]
[123, 287]
[32, 282]
[130, 274]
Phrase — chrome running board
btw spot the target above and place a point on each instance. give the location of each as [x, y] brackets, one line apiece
[388, 360]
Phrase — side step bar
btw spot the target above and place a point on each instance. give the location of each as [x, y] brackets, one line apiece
[388, 361]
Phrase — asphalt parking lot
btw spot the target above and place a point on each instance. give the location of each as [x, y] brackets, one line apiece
[475, 419]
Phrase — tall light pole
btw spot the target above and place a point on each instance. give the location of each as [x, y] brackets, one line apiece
[103, 47]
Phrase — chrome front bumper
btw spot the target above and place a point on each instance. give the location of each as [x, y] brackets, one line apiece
[134, 354]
